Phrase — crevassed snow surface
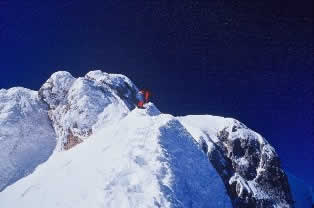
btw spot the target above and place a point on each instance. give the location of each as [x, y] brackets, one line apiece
[146, 159]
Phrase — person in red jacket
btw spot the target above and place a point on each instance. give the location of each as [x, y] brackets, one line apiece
[143, 97]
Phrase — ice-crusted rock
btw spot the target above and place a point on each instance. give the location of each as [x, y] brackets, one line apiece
[26, 134]
[56, 88]
[77, 106]
[247, 163]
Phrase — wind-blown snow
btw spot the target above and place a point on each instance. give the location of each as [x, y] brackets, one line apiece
[146, 159]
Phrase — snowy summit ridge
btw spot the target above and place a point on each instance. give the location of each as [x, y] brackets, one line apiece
[128, 157]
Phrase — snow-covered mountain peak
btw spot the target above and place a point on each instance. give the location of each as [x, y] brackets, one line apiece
[129, 156]
[141, 161]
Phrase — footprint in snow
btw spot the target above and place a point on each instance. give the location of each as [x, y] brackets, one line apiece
[140, 161]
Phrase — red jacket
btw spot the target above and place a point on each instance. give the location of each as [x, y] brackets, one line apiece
[146, 94]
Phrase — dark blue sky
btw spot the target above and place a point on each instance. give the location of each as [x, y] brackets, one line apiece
[251, 60]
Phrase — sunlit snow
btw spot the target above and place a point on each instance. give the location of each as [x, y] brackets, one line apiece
[146, 159]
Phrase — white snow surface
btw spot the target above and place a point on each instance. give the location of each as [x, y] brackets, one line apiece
[26, 134]
[205, 125]
[143, 159]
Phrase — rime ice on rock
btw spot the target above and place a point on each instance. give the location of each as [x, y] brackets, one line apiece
[77, 105]
[247, 163]
[56, 88]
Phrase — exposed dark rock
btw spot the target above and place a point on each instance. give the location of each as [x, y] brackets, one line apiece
[71, 141]
[243, 159]
[237, 150]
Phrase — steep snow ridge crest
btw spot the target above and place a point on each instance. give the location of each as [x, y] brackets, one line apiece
[156, 164]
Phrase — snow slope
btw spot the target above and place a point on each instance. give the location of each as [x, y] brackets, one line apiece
[146, 159]
[26, 134]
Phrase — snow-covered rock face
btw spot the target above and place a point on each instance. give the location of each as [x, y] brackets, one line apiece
[247, 163]
[133, 157]
[26, 134]
[79, 106]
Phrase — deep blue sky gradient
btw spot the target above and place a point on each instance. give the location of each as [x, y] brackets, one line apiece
[251, 60]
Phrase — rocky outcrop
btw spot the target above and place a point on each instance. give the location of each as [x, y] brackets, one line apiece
[63, 113]
[256, 166]
[77, 106]
[247, 163]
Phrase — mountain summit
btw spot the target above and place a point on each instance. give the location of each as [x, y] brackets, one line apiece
[82, 142]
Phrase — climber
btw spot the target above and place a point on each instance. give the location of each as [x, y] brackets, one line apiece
[143, 97]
